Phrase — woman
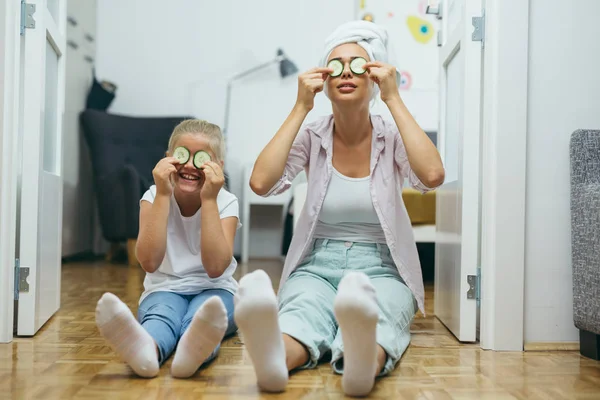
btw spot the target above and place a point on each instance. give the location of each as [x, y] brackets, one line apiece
[352, 280]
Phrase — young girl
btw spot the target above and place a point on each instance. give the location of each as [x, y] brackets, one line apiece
[185, 245]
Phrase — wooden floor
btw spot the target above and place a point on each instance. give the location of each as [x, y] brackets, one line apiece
[68, 359]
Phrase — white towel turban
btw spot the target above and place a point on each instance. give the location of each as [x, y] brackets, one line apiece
[371, 37]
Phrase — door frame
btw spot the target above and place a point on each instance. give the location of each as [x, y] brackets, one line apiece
[503, 172]
[41, 131]
[460, 257]
[10, 15]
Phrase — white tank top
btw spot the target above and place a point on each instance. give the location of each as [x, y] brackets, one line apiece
[348, 213]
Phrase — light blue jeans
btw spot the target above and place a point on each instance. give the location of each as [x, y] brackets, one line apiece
[306, 301]
[167, 315]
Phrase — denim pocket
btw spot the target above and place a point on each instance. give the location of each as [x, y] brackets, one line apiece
[306, 262]
[387, 262]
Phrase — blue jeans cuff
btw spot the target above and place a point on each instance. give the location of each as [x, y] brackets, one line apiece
[338, 356]
[313, 354]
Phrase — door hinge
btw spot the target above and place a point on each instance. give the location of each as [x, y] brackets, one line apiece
[474, 282]
[479, 29]
[16, 285]
[21, 275]
[478, 295]
[27, 21]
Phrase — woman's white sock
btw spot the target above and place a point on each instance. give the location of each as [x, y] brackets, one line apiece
[126, 336]
[256, 317]
[357, 314]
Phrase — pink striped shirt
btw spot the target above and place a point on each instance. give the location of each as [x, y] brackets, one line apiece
[312, 151]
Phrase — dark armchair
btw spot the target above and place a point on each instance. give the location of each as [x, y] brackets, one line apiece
[124, 151]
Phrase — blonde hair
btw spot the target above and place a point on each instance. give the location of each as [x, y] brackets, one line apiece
[200, 127]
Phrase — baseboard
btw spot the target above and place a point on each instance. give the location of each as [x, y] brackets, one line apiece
[82, 256]
[552, 346]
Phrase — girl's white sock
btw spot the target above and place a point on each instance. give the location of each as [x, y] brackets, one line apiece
[205, 332]
[126, 336]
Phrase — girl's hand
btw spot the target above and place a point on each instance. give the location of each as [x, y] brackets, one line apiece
[162, 175]
[309, 84]
[384, 75]
[214, 178]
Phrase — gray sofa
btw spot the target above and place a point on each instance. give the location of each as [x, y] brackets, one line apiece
[585, 238]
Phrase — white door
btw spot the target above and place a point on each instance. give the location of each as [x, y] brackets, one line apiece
[40, 202]
[457, 236]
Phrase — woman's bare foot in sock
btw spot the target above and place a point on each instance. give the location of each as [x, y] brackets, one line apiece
[257, 319]
[357, 314]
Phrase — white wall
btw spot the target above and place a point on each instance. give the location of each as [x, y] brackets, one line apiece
[564, 95]
[78, 191]
[174, 58]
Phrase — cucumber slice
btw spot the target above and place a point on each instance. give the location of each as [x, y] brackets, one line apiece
[200, 158]
[337, 67]
[357, 65]
[182, 154]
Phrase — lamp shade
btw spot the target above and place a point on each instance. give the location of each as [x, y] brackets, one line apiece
[286, 67]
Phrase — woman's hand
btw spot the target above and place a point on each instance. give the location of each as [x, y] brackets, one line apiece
[214, 178]
[162, 175]
[384, 75]
[309, 84]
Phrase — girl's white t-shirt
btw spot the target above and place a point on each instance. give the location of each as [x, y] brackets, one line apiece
[181, 271]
